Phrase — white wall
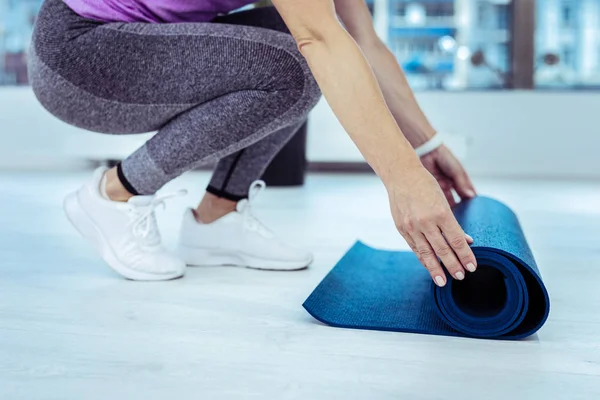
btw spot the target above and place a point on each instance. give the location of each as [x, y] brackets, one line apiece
[31, 137]
[540, 134]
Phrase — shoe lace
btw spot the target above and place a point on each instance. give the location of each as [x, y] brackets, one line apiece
[143, 222]
[244, 207]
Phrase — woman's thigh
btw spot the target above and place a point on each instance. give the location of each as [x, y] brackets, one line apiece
[135, 77]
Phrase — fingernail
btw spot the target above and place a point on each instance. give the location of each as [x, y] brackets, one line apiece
[470, 193]
[471, 267]
[469, 237]
[460, 276]
[440, 281]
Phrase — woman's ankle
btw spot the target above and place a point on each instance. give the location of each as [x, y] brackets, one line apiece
[211, 208]
[113, 188]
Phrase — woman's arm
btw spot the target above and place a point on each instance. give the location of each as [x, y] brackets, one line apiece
[400, 99]
[348, 83]
[420, 210]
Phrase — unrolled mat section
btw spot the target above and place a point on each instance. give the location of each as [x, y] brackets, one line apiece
[387, 290]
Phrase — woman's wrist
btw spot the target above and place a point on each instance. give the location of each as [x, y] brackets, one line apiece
[393, 171]
[435, 142]
[418, 137]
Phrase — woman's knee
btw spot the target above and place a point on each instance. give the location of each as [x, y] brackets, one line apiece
[307, 86]
[289, 71]
[302, 80]
[312, 90]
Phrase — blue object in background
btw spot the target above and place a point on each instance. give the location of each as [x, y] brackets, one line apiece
[422, 32]
[386, 290]
[414, 65]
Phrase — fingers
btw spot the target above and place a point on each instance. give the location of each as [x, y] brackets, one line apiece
[446, 185]
[413, 247]
[449, 197]
[452, 169]
[463, 185]
[428, 258]
[410, 242]
[445, 251]
[454, 256]
[457, 240]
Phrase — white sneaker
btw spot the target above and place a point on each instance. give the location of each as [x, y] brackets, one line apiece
[125, 234]
[238, 239]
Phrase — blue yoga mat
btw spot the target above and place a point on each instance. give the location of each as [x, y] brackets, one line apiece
[387, 290]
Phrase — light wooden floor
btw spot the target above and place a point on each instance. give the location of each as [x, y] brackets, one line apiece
[71, 329]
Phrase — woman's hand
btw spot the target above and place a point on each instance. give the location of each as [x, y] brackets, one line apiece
[423, 217]
[347, 80]
[449, 173]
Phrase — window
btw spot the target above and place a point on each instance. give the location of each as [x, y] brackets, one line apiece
[481, 15]
[566, 15]
[16, 25]
[446, 53]
[440, 9]
[502, 18]
[503, 56]
[567, 38]
[398, 8]
[568, 56]
[442, 44]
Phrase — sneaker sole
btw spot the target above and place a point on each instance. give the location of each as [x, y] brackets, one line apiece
[86, 227]
[196, 257]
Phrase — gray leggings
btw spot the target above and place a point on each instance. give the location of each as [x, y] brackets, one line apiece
[234, 90]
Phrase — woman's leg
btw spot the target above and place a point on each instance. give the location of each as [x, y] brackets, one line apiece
[231, 179]
[210, 90]
[234, 174]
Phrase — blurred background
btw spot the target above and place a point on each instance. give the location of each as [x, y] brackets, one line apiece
[513, 84]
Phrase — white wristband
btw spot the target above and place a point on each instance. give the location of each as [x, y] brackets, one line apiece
[429, 146]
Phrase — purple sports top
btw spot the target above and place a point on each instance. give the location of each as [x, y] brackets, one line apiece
[154, 10]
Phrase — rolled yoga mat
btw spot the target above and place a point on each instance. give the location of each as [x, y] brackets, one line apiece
[387, 290]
